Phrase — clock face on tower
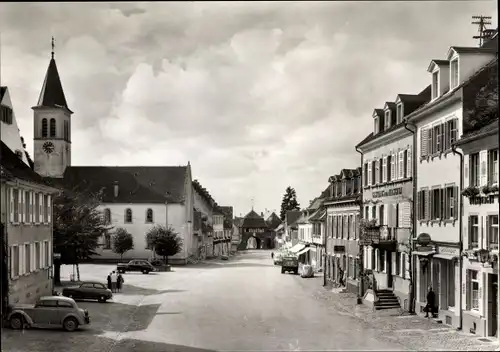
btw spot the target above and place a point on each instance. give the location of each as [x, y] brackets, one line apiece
[48, 147]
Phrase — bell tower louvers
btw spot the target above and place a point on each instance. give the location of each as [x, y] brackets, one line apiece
[52, 126]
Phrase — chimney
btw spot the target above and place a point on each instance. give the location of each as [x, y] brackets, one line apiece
[116, 189]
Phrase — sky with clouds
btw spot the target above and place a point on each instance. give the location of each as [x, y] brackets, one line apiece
[256, 95]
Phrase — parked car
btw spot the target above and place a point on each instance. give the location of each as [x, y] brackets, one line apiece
[136, 265]
[47, 312]
[88, 290]
[290, 264]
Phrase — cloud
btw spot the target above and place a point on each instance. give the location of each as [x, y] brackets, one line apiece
[257, 96]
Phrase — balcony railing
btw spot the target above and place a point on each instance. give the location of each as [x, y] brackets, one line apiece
[381, 234]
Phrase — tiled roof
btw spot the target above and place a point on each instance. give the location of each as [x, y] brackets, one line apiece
[52, 93]
[13, 167]
[474, 50]
[273, 221]
[254, 220]
[391, 105]
[136, 184]
[378, 112]
[351, 197]
[317, 216]
[2, 92]
[490, 128]
[440, 62]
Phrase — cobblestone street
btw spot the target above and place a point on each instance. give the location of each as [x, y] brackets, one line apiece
[240, 304]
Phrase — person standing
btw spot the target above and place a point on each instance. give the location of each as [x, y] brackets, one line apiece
[119, 282]
[114, 280]
[431, 301]
[272, 255]
[109, 281]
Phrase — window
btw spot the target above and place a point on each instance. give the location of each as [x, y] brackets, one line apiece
[100, 286]
[374, 212]
[38, 256]
[27, 206]
[6, 114]
[375, 125]
[47, 303]
[64, 304]
[381, 215]
[44, 128]
[436, 204]
[437, 134]
[16, 205]
[401, 163]
[492, 229]
[365, 175]
[422, 204]
[14, 252]
[381, 170]
[149, 215]
[390, 167]
[399, 112]
[382, 261]
[473, 231]
[387, 119]
[474, 169]
[373, 173]
[46, 254]
[474, 289]
[384, 170]
[405, 163]
[107, 241]
[27, 257]
[128, 216]
[450, 133]
[450, 202]
[454, 73]
[52, 127]
[435, 84]
[344, 187]
[107, 216]
[45, 209]
[367, 213]
[377, 172]
[493, 166]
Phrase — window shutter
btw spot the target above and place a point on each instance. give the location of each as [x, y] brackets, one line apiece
[441, 203]
[483, 157]
[407, 211]
[369, 173]
[32, 256]
[393, 168]
[454, 202]
[401, 165]
[356, 226]
[424, 138]
[386, 214]
[400, 215]
[468, 234]
[447, 129]
[428, 203]
[467, 291]
[409, 163]
[377, 173]
[393, 266]
[384, 169]
[40, 207]
[11, 192]
[22, 215]
[487, 233]
[431, 145]
[21, 259]
[49, 208]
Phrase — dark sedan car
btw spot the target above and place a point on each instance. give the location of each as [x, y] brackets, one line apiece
[89, 290]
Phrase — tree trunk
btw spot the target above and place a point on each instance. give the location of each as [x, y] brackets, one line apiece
[57, 273]
[77, 272]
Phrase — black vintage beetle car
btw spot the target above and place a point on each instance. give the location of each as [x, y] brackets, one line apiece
[89, 290]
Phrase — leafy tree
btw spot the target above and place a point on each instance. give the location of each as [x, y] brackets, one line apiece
[78, 226]
[164, 241]
[122, 242]
[289, 202]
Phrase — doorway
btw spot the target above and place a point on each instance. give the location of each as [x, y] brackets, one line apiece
[436, 285]
[388, 259]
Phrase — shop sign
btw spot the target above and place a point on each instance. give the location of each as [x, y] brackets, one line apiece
[339, 249]
[387, 193]
[449, 250]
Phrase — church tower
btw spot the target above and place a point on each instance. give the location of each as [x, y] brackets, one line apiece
[52, 126]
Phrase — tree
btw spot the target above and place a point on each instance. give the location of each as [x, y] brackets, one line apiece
[485, 106]
[164, 241]
[122, 242]
[78, 226]
[289, 202]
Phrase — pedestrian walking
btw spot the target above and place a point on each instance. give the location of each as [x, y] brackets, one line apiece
[114, 280]
[119, 282]
[431, 301]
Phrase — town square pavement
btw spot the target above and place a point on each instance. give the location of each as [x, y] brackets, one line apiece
[243, 304]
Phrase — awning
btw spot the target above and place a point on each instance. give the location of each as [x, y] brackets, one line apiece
[298, 247]
[445, 256]
[305, 250]
[424, 254]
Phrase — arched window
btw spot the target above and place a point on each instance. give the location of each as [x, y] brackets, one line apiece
[107, 216]
[128, 215]
[149, 215]
[52, 127]
[44, 128]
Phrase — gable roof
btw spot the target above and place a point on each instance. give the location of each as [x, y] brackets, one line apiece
[378, 112]
[273, 221]
[2, 92]
[292, 216]
[487, 130]
[254, 220]
[52, 93]
[13, 167]
[136, 184]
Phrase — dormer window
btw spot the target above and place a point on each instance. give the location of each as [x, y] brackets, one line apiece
[375, 125]
[454, 73]
[344, 187]
[435, 84]
[399, 112]
[387, 119]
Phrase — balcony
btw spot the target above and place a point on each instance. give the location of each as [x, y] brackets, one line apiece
[380, 236]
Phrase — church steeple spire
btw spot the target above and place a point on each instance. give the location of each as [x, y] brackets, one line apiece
[52, 93]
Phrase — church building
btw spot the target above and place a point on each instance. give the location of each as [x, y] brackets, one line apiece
[134, 197]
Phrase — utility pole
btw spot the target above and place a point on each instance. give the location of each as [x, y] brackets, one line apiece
[484, 33]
